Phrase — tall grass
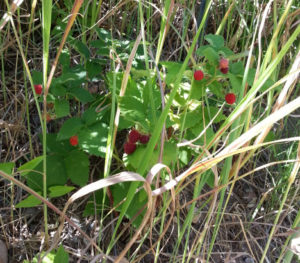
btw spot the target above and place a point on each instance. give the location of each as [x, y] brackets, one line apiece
[246, 28]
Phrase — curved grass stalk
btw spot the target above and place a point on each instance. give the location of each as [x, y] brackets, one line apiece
[290, 182]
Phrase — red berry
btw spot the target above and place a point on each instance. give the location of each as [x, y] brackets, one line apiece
[144, 139]
[38, 89]
[224, 70]
[198, 75]
[129, 147]
[74, 140]
[134, 136]
[230, 98]
[224, 65]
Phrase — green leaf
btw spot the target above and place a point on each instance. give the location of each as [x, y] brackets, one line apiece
[198, 90]
[200, 51]
[236, 83]
[59, 190]
[237, 68]
[7, 167]
[173, 69]
[169, 155]
[217, 89]
[92, 139]
[93, 68]
[77, 167]
[225, 52]
[191, 119]
[62, 108]
[211, 55]
[64, 59]
[77, 74]
[81, 94]
[81, 48]
[37, 77]
[58, 90]
[56, 173]
[90, 116]
[55, 146]
[29, 201]
[134, 110]
[69, 128]
[61, 256]
[32, 164]
[215, 40]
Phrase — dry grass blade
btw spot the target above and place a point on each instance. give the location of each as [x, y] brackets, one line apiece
[7, 15]
[115, 179]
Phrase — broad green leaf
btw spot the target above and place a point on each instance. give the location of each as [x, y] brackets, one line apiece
[236, 83]
[62, 108]
[61, 256]
[58, 89]
[173, 69]
[211, 55]
[31, 165]
[64, 59]
[215, 40]
[92, 139]
[90, 116]
[77, 167]
[55, 146]
[7, 167]
[69, 128]
[134, 110]
[81, 48]
[37, 77]
[93, 68]
[59, 190]
[200, 50]
[217, 89]
[81, 94]
[225, 52]
[237, 68]
[77, 75]
[190, 119]
[169, 155]
[29, 201]
[56, 173]
[198, 90]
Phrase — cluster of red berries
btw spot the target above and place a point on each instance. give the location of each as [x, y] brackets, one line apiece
[133, 137]
[224, 67]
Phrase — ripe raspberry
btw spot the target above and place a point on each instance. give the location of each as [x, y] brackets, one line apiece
[224, 65]
[129, 147]
[198, 75]
[38, 89]
[144, 139]
[224, 70]
[74, 140]
[230, 98]
[134, 136]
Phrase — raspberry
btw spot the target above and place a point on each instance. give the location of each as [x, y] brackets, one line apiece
[74, 140]
[134, 136]
[129, 147]
[224, 65]
[38, 89]
[144, 139]
[224, 70]
[198, 75]
[230, 98]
